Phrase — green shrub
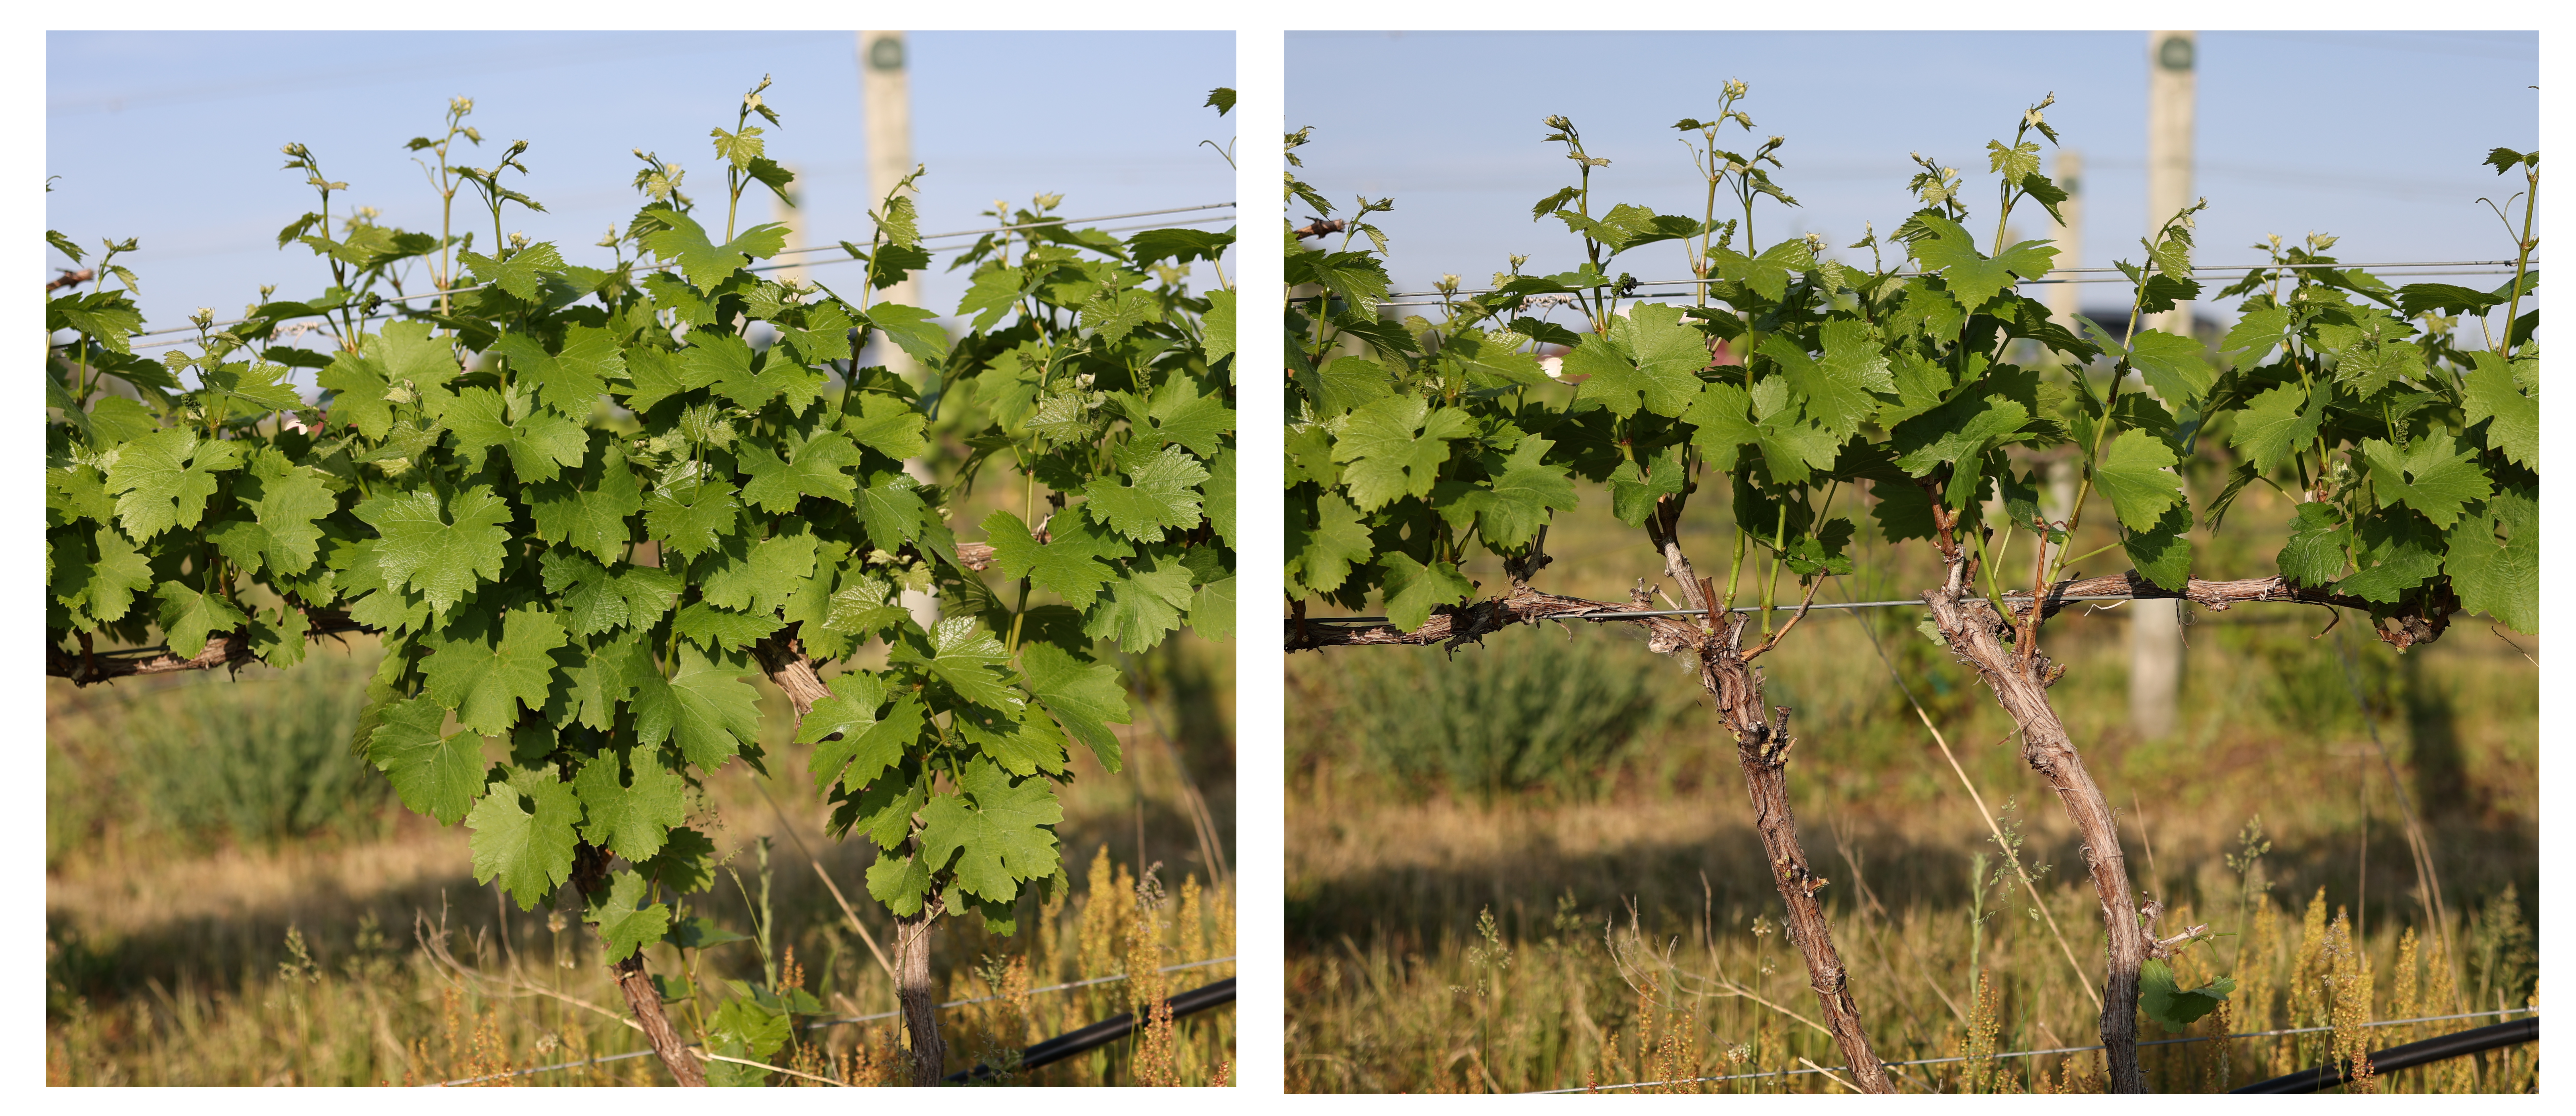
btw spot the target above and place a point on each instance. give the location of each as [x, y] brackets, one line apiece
[259, 759]
[1525, 710]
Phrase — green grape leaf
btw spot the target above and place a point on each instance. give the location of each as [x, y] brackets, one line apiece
[969, 659]
[523, 274]
[2394, 554]
[1952, 251]
[686, 863]
[1000, 827]
[2276, 424]
[523, 835]
[630, 817]
[2168, 1004]
[281, 536]
[774, 570]
[2426, 476]
[860, 609]
[813, 468]
[1721, 421]
[2137, 476]
[240, 391]
[442, 555]
[1085, 697]
[855, 746]
[593, 517]
[188, 617]
[2502, 581]
[1841, 391]
[712, 628]
[571, 380]
[2315, 554]
[1956, 431]
[1321, 557]
[1413, 589]
[1164, 495]
[1068, 564]
[1769, 273]
[1394, 447]
[1140, 607]
[104, 588]
[162, 480]
[887, 425]
[2256, 333]
[626, 922]
[682, 240]
[692, 515]
[540, 444]
[1647, 359]
[2493, 394]
[2368, 369]
[2177, 367]
[1111, 317]
[2162, 551]
[704, 706]
[915, 330]
[484, 682]
[901, 883]
[1216, 327]
[1525, 496]
[435, 775]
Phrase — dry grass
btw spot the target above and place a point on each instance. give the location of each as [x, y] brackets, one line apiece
[1634, 937]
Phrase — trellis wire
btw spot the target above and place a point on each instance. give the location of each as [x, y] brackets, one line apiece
[1624, 614]
[606, 1058]
[771, 267]
[2534, 1012]
[2116, 272]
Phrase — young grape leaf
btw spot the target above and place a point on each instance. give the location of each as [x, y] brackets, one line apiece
[682, 240]
[1952, 251]
[999, 826]
[484, 682]
[527, 847]
[2137, 476]
[901, 883]
[281, 536]
[2426, 476]
[1164, 495]
[626, 923]
[812, 468]
[1647, 359]
[593, 515]
[188, 617]
[630, 817]
[2502, 581]
[2493, 394]
[1139, 608]
[713, 628]
[2167, 1003]
[1084, 696]
[691, 515]
[2177, 367]
[1524, 496]
[572, 380]
[704, 706]
[2276, 424]
[435, 775]
[523, 274]
[1068, 564]
[540, 443]
[442, 555]
[1413, 589]
[761, 582]
[887, 425]
[1394, 447]
[1320, 557]
[968, 658]
[162, 480]
[2162, 551]
[914, 329]
[2316, 552]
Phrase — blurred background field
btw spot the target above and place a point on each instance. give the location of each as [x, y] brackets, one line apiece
[1530, 864]
[231, 898]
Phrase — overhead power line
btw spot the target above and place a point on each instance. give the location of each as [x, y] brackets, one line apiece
[2054, 272]
[765, 267]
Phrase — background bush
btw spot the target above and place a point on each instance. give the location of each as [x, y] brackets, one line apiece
[1516, 714]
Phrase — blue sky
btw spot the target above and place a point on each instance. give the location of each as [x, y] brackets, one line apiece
[173, 138]
[2373, 136]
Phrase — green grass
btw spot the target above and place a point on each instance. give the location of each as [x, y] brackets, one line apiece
[1634, 935]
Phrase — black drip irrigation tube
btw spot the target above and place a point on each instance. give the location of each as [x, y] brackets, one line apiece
[1103, 1033]
[2457, 1045]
